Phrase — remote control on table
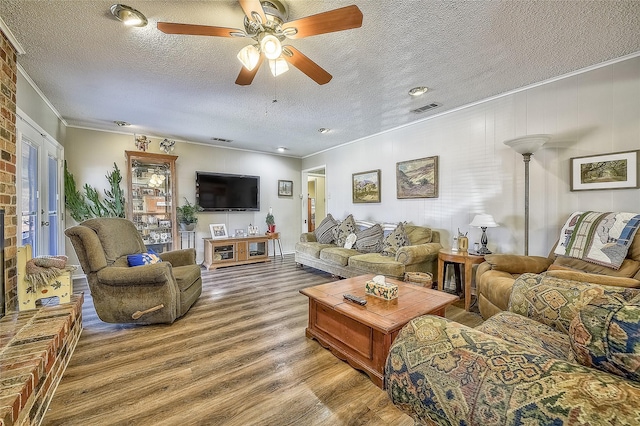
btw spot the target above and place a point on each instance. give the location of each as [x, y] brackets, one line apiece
[355, 299]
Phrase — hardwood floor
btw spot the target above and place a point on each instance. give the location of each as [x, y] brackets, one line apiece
[239, 357]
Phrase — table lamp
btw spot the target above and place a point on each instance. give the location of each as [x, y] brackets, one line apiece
[483, 221]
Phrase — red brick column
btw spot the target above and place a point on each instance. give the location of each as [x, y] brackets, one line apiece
[8, 197]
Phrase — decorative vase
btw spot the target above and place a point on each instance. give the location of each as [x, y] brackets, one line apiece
[272, 229]
[187, 226]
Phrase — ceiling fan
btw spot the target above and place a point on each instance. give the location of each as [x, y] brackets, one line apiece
[266, 23]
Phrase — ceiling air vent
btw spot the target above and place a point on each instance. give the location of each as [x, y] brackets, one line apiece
[221, 140]
[426, 108]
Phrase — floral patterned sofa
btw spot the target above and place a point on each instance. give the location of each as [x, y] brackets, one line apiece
[565, 352]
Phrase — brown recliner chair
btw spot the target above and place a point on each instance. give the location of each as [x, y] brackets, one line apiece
[148, 294]
[495, 276]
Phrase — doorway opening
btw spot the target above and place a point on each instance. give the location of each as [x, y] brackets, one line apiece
[314, 202]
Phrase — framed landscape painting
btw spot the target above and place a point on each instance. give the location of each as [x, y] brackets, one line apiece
[618, 170]
[417, 178]
[366, 187]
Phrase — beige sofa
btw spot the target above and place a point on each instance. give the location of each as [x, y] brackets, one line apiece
[495, 277]
[421, 255]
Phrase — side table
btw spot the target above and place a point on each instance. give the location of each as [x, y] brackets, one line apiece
[275, 236]
[459, 258]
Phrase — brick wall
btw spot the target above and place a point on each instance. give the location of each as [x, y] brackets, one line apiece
[8, 197]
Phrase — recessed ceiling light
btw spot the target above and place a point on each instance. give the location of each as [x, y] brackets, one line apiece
[282, 149]
[128, 15]
[122, 123]
[323, 130]
[418, 91]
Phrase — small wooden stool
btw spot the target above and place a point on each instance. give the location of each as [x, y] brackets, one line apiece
[27, 293]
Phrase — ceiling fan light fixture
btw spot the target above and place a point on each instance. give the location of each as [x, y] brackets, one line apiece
[249, 56]
[271, 46]
[128, 15]
[278, 66]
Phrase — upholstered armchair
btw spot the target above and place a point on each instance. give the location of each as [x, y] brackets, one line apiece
[495, 277]
[146, 294]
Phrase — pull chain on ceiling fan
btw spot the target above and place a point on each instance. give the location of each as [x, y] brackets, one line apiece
[266, 23]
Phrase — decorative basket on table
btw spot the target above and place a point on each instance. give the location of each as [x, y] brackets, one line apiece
[425, 279]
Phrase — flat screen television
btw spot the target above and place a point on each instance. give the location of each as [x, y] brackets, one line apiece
[216, 192]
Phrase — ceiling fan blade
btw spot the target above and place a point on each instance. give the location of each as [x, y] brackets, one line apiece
[253, 6]
[205, 30]
[306, 65]
[245, 77]
[341, 19]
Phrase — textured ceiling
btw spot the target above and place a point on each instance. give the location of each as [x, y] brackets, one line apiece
[94, 70]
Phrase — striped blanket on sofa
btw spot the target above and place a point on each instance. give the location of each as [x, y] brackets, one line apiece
[600, 238]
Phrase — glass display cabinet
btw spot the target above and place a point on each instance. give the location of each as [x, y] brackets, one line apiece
[150, 195]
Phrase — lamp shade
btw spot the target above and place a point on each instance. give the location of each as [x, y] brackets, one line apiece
[278, 66]
[271, 46]
[528, 144]
[249, 56]
[483, 221]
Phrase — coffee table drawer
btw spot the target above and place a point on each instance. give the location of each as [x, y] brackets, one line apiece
[347, 331]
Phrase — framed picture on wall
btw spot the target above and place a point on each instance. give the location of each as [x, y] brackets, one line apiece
[285, 188]
[417, 178]
[618, 170]
[218, 231]
[366, 187]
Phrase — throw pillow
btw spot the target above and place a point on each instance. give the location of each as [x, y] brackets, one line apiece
[370, 239]
[418, 234]
[605, 334]
[140, 259]
[324, 231]
[396, 239]
[342, 231]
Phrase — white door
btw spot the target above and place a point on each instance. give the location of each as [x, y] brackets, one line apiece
[40, 183]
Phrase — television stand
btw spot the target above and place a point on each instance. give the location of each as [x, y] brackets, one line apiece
[235, 251]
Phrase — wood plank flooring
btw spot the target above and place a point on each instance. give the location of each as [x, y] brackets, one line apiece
[239, 357]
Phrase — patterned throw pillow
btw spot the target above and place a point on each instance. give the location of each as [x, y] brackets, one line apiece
[342, 231]
[370, 239]
[396, 239]
[324, 231]
[605, 334]
[140, 259]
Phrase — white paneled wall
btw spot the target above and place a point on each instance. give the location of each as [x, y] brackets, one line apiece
[590, 113]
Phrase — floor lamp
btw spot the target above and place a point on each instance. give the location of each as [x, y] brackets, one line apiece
[527, 145]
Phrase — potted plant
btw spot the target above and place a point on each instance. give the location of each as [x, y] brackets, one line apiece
[187, 215]
[271, 222]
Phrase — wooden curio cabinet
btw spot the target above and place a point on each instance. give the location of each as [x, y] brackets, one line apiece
[151, 192]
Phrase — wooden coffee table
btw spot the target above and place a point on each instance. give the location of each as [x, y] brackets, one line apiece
[362, 335]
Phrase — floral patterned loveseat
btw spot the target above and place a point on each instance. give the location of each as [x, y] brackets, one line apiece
[565, 352]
